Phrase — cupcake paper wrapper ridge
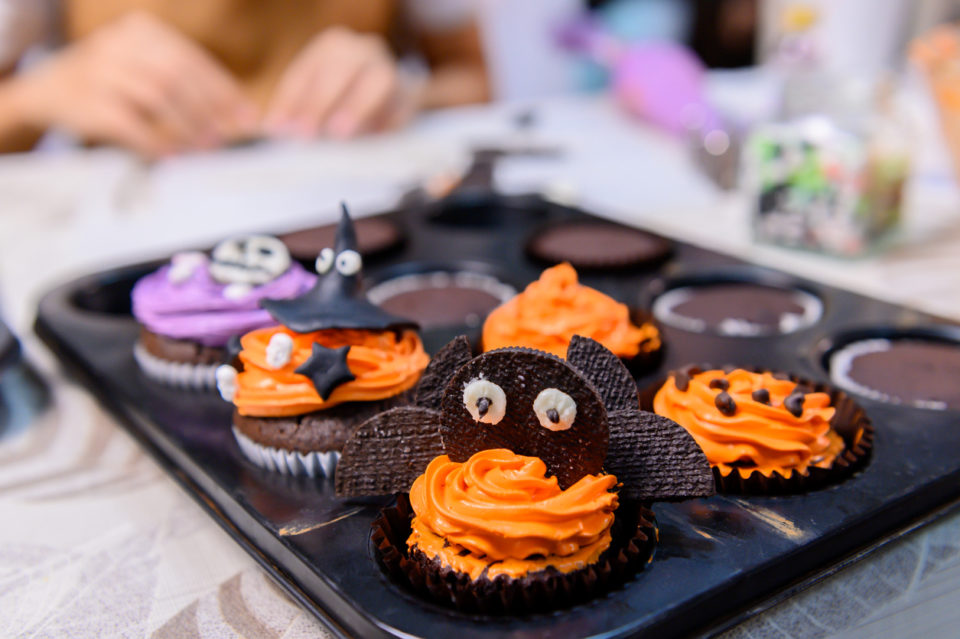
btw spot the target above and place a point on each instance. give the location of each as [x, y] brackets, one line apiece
[176, 374]
[289, 462]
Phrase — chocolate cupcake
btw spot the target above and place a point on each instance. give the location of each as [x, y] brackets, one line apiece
[551, 310]
[738, 309]
[334, 360]
[591, 245]
[190, 308]
[375, 236]
[914, 372]
[527, 477]
[766, 433]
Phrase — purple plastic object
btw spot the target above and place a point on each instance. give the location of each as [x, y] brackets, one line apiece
[660, 82]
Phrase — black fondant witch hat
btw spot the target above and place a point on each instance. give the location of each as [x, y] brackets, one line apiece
[337, 299]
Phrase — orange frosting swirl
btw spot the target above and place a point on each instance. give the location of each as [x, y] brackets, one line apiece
[758, 436]
[383, 363]
[556, 307]
[498, 512]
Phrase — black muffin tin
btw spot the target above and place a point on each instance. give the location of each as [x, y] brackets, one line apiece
[719, 559]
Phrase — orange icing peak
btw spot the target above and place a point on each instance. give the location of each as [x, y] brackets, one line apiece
[383, 363]
[556, 307]
[499, 512]
[758, 435]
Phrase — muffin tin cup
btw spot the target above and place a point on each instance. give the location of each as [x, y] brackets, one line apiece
[850, 421]
[634, 539]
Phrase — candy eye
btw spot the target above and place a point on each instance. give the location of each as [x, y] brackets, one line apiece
[349, 262]
[324, 261]
[485, 401]
[555, 409]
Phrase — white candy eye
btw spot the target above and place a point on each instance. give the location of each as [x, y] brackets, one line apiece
[555, 409]
[485, 401]
[349, 262]
[227, 382]
[324, 261]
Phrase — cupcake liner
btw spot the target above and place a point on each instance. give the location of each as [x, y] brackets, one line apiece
[289, 462]
[176, 374]
[850, 421]
[634, 535]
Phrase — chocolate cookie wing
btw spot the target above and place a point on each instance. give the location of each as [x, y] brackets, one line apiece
[388, 451]
[656, 459]
[441, 369]
[606, 371]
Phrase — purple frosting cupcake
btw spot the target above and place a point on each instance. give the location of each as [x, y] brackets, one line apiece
[190, 308]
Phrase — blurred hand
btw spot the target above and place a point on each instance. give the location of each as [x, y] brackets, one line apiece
[138, 83]
[341, 84]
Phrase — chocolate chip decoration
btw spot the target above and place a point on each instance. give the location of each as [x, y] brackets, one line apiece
[682, 381]
[794, 403]
[719, 383]
[725, 404]
[761, 395]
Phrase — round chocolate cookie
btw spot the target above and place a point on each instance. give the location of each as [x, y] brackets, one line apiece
[375, 235]
[919, 373]
[531, 403]
[441, 298]
[738, 309]
[590, 245]
[634, 537]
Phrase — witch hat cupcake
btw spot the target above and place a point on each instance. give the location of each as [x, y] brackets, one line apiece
[335, 360]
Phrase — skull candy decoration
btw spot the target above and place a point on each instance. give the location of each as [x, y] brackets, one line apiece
[250, 260]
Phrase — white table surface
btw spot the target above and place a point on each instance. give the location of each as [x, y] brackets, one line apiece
[96, 541]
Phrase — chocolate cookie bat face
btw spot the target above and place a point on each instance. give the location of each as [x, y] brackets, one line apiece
[530, 402]
[249, 259]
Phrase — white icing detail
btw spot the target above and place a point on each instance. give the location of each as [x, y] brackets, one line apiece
[236, 291]
[480, 388]
[176, 374]
[227, 382]
[324, 261]
[349, 263]
[279, 350]
[183, 265]
[288, 462]
[250, 259]
[557, 400]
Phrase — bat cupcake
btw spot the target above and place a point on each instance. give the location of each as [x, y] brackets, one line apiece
[335, 360]
[526, 476]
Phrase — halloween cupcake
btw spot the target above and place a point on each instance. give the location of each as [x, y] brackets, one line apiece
[523, 478]
[190, 308]
[551, 310]
[334, 360]
[767, 432]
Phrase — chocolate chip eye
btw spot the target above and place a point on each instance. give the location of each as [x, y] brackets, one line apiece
[555, 409]
[324, 261]
[349, 262]
[485, 401]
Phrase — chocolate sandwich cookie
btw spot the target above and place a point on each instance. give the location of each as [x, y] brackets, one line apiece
[597, 246]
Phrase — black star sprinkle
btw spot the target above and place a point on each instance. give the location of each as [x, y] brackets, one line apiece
[327, 368]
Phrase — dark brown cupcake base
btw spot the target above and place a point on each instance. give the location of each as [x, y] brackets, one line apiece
[850, 421]
[634, 534]
[179, 350]
[322, 430]
[597, 246]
